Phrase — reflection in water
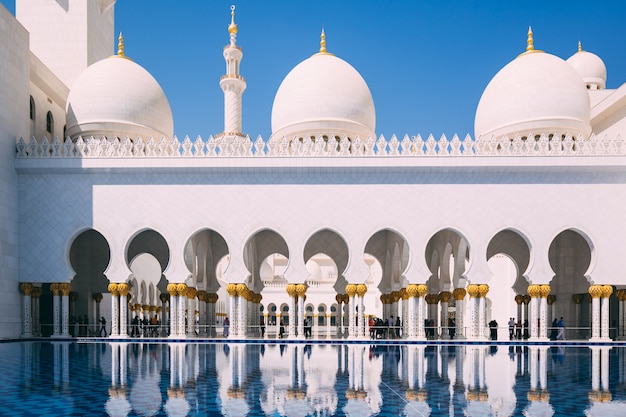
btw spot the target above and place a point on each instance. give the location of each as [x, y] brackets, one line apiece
[179, 379]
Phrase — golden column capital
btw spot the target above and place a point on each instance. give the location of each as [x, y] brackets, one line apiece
[54, 288]
[351, 290]
[459, 294]
[181, 289]
[97, 297]
[123, 289]
[432, 298]
[339, 298]
[361, 289]
[241, 289]
[472, 290]
[202, 296]
[551, 299]
[36, 292]
[422, 290]
[145, 308]
[607, 290]
[212, 297]
[445, 296]
[526, 299]
[113, 288]
[164, 297]
[411, 290]
[403, 294]
[65, 288]
[301, 289]
[595, 291]
[544, 290]
[483, 289]
[231, 289]
[171, 290]
[533, 290]
[191, 293]
[519, 299]
[292, 290]
[26, 288]
[576, 298]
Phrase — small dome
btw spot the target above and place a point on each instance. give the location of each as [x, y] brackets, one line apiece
[590, 67]
[536, 92]
[117, 97]
[323, 95]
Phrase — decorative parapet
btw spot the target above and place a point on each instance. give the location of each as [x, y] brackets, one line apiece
[321, 146]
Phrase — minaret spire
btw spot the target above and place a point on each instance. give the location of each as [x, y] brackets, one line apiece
[529, 42]
[323, 42]
[120, 46]
[580, 47]
[232, 83]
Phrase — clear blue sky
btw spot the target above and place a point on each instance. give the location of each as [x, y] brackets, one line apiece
[426, 62]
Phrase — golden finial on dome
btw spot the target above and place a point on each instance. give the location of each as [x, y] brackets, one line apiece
[323, 42]
[232, 28]
[580, 47]
[529, 42]
[120, 46]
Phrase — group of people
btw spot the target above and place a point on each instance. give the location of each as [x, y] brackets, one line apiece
[557, 329]
[145, 327]
[389, 328]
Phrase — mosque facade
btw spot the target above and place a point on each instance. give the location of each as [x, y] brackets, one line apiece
[105, 213]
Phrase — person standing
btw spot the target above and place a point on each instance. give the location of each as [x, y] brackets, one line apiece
[511, 328]
[262, 324]
[561, 326]
[226, 326]
[103, 326]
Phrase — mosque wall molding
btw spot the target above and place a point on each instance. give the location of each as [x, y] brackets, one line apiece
[541, 144]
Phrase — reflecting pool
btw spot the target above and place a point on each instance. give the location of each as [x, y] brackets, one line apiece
[294, 379]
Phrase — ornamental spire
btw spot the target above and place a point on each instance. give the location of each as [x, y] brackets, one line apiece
[323, 42]
[580, 47]
[529, 42]
[232, 28]
[120, 46]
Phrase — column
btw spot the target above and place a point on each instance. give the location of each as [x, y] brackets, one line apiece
[191, 311]
[534, 292]
[459, 319]
[35, 297]
[26, 289]
[328, 326]
[361, 289]
[56, 310]
[114, 309]
[123, 290]
[432, 316]
[552, 310]
[421, 292]
[301, 291]
[292, 291]
[472, 328]
[202, 298]
[172, 324]
[544, 322]
[607, 290]
[405, 312]
[519, 300]
[620, 316]
[444, 296]
[211, 311]
[595, 291]
[339, 299]
[97, 297]
[351, 290]
[164, 297]
[181, 289]
[232, 292]
[483, 289]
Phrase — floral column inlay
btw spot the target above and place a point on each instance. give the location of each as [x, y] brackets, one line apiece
[459, 298]
[56, 309]
[351, 291]
[361, 289]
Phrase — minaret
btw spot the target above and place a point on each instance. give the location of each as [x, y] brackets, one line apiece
[233, 84]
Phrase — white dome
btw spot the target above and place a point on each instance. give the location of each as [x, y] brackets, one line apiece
[535, 93]
[590, 67]
[117, 97]
[323, 95]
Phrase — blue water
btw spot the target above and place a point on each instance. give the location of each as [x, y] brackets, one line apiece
[177, 379]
